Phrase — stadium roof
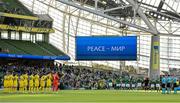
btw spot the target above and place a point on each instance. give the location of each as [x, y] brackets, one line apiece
[169, 7]
[44, 17]
[131, 10]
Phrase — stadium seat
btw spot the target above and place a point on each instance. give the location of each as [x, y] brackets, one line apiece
[27, 47]
[50, 48]
[11, 48]
[11, 5]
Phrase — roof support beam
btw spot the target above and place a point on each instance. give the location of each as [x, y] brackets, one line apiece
[172, 8]
[100, 13]
[143, 16]
[120, 7]
[160, 5]
[164, 14]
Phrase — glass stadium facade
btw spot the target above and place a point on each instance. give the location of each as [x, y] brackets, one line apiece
[70, 21]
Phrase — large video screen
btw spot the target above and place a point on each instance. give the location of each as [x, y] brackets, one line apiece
[106, 48]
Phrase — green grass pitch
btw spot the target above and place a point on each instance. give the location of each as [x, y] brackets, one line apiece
[92, 96]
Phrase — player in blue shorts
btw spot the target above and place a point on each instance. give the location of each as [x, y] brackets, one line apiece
[163, 84]
[177, 88]
[169, 82]
[174, 82]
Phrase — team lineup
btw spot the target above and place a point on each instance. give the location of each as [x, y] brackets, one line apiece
[33, 83]
[169, 83]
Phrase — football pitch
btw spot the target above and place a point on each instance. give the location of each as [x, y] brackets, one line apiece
[92, 96]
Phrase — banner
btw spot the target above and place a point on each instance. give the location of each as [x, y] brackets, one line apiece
[155, 56]
[27, 56]
[26, 29]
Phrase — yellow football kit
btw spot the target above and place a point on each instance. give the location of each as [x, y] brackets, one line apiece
[31, 83]
[15, 83]
[25, 81]
[21, 83]
[36, 79]
[48, 82]
[5, 83]
[42, 82]
[10, 83]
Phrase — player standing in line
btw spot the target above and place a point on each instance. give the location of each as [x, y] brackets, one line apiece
[31, 83]
[55, 82]
[6, 82]
[21, 84]
[163, 84]
[146, 83]
[25, 81]
[15, 82]
[49, 82]
[158, 87]
[169, 81]
[36, 78]
[174, 82]
[177, 88]
[177, 82]
[42, 82]
[11, 83]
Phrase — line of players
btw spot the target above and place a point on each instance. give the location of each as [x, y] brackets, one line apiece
[169, 83]
[33, 83]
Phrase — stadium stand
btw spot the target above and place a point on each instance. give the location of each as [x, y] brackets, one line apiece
[11, 48]
[15, 7]
[15, 16]
[27, 47]
[50, 48]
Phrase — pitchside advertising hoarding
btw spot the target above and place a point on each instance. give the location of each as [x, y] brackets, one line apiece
[27, 56]
[106, 48]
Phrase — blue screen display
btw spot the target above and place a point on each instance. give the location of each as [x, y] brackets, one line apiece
[106, 48]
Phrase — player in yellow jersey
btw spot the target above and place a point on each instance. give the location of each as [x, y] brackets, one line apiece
[15, 82]
[42, 82]
[21, 83]
[36, 79]
[48, 82]
[6, 83]
[31, 83]
[25, 81]
[11, 83]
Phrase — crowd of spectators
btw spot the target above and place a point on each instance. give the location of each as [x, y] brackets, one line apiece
[75, 78]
